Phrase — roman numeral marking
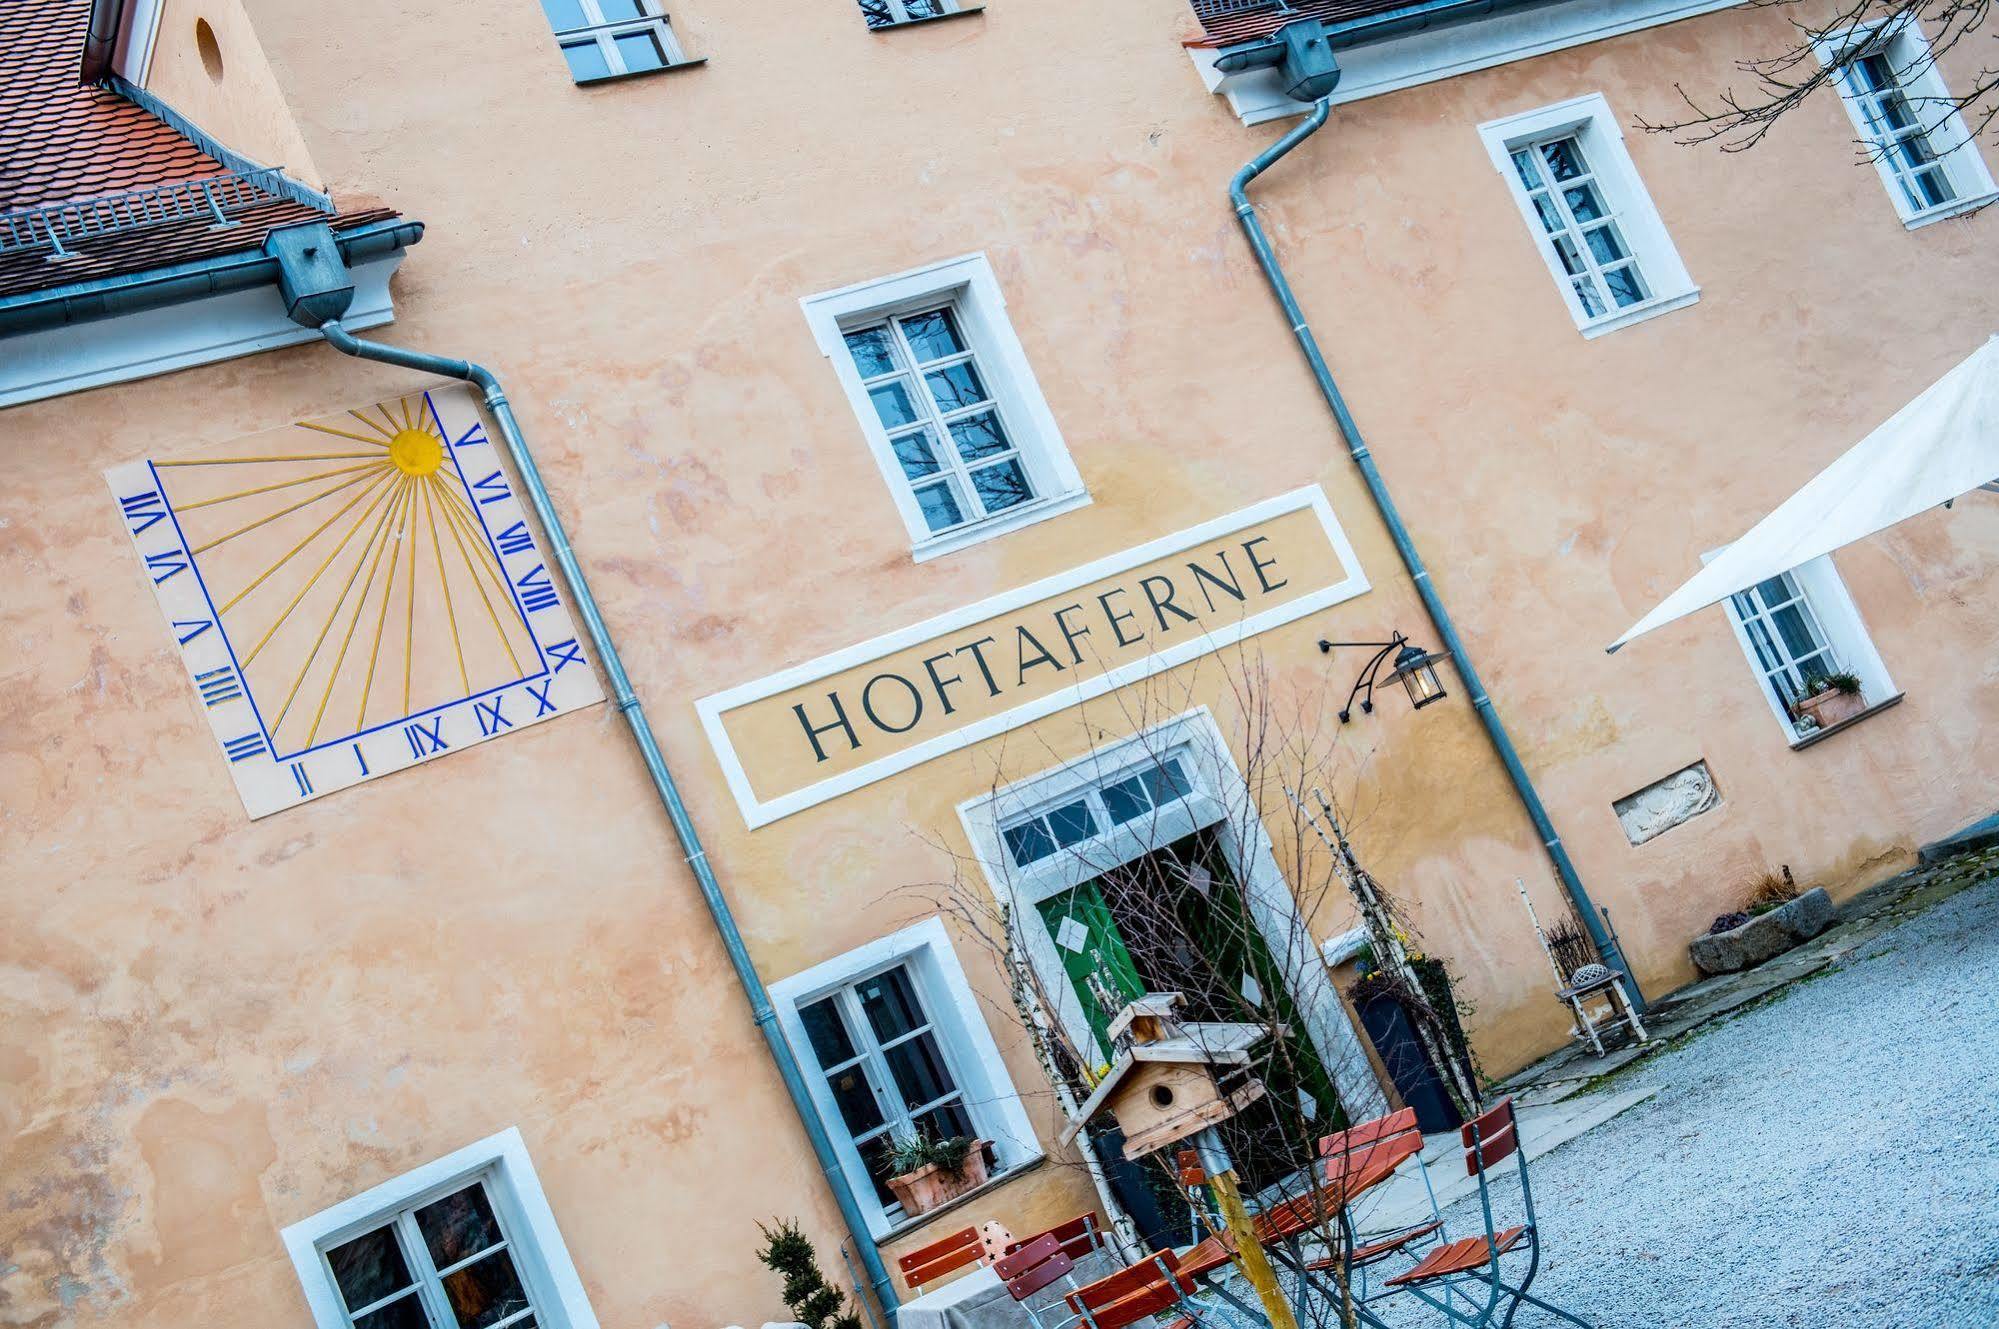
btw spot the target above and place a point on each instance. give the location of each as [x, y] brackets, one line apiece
[425, 739]
[515, 539]
[166, 565]
[542, 704]
[187, 629]
[564, 654]
[537, 592]
[363, 761]
[244, 748]
[475, 435]
[491, 489]
[490, 719]
[218, 685]
[304, 780]
[142, 510]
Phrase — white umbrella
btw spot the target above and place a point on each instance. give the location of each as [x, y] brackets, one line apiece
[1942, 444]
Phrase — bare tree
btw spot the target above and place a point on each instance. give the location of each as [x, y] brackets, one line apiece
[1818, 58]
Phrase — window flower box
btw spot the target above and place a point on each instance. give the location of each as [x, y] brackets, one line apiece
[933, 1185]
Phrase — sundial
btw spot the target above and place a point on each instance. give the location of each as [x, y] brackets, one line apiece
[354, 594]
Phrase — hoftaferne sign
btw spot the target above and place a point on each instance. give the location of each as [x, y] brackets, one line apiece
[859, 715]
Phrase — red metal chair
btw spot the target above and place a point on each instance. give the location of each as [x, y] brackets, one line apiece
[1155, 1284]
[1077, 1237]
[1460, 1269]
[1364, 1156]
[1033, 1265]
[932, 1262]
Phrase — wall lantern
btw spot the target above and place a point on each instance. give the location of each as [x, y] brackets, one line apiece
[1415, 667]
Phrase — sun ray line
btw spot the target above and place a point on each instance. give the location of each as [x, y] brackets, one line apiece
[459, 540]
[450, 613]
[409, 614]
[286, 512]
[382, 617]
[313, 580]
[289, 554]
[409, 416]
[385, 433]
[282, 484]
[333, 674]
[276, 456]
[342, 433]
[332, 615]
[394, 428]
[469, 524]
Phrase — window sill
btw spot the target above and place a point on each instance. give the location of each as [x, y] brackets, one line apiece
[1652, 308]
[675, 68]
[933, 18]
[1798, 744]
[903, 1226]
[1917, 221]
[992, 527]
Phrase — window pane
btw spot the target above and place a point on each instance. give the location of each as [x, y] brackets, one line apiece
[1551, 220]
[979, 436]
[564, 14]
[459, 1225]
[873, 351]
[1003, 486]
[586, 60]
[924, 8]
[1125, 799]
[1766, 649]
[918, 1067]
[948, 1121]
[828, 1032]
[956, 387]
[1165, 782]
[1605, 243]
[1029, 842]
[1572, 259]
[889, 1001]
[1591, 298]
[404, 1314]
[1797, 634]
[1072, 824]
[618, 10]
[877, 14]
[1777, 590]
[874, 1153]
[369, 1268]
[1625, 286]
[918, 458]
[933, 335]
[1565, 158]
[1523, 163]
[855, 1100]
[485, 1291]
[641, 51]
[892, 403]
[1585, 202]
[940, 507]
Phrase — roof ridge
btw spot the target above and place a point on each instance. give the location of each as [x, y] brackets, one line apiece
[228, 157]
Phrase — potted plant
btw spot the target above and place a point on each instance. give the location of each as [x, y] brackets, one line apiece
[1834, 698]
[927, 1173]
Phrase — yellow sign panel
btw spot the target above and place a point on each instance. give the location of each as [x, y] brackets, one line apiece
[865, 713]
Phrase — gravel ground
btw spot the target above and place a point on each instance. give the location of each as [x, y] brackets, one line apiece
[1829, 1158]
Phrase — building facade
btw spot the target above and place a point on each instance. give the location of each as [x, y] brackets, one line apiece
[968, 524]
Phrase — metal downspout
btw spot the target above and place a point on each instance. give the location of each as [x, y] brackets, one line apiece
[1384, 502]
[662, 779]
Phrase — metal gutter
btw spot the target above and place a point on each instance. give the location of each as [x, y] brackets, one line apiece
[655, 762]
[1405, 544]
[100, 39]
[177, 283]
[1416, 18]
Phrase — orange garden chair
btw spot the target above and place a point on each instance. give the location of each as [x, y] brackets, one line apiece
[1154, 1285]
[1462, 1278]
[1077, 1237]
[1364, 1156]
[939, 1258]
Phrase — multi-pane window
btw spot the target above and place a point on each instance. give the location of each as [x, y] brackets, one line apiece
[1150, 788]
[606, 38]
[1580, 225]
[888, 13]
[1790, 647]
[948, 433]
[886, 1067]
[1900, 138]
[445, 1263]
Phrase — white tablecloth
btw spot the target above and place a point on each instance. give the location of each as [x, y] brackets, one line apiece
[979, 1300]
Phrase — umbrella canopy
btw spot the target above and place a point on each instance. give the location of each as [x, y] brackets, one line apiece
[1942, 444]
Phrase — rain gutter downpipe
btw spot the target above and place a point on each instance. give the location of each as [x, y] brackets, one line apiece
[662, 779]
[1391, 516]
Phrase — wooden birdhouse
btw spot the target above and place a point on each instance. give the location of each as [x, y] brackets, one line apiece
[1163, 1086]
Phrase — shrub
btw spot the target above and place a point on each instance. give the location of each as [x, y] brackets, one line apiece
[788, 1252]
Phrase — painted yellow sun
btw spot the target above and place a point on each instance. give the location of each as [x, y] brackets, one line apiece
[416, 452]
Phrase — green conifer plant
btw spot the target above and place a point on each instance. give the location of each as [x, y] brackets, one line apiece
[788, 1252]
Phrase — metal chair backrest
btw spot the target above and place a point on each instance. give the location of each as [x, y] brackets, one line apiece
[1130, 1294]
[929, 1263]
[1362, 1156]
[1490, 1137]
[1034, 1266]
[1077, 1237]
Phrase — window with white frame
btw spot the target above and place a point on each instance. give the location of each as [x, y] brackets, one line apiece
[900, 1050]
[894, 13]
[1800, 628]
[1589, 213]
[603, 39]
[947, 402]
[466, 1242]
[1151, 788]
[1908, 122]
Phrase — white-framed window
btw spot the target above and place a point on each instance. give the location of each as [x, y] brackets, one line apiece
[1799, 628]
[1589, 214]
[1912, 132]
[1147, 790]
[891, 1038]
[604, 39]
[465, 1242]
[895, 13]
[947, 403]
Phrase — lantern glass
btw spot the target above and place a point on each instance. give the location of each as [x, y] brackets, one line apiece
[1418, 672]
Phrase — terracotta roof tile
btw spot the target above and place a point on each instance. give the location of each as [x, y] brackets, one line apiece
[1221, 28]
[62, 141]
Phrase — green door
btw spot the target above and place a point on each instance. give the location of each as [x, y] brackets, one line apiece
[1094, 956]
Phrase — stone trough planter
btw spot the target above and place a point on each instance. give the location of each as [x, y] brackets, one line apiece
[1764, 936]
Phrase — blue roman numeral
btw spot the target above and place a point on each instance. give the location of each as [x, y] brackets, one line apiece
[515, 539]
[142, 510]
[363, 761]
[537, 592]
[304, 780]
[490, 719]
[218, 685]
[475, 435]
[425, 739]
[166, 565]
[187, 629]
[491, 489]
[542, 704]
[242, 749]
[565, 653]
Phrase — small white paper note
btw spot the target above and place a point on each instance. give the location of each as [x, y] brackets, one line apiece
[1072, 935]
[1308, 1105]
[1252, 991]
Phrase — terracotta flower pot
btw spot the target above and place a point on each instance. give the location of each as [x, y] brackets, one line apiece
[931, 1186]
[1832, 706]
